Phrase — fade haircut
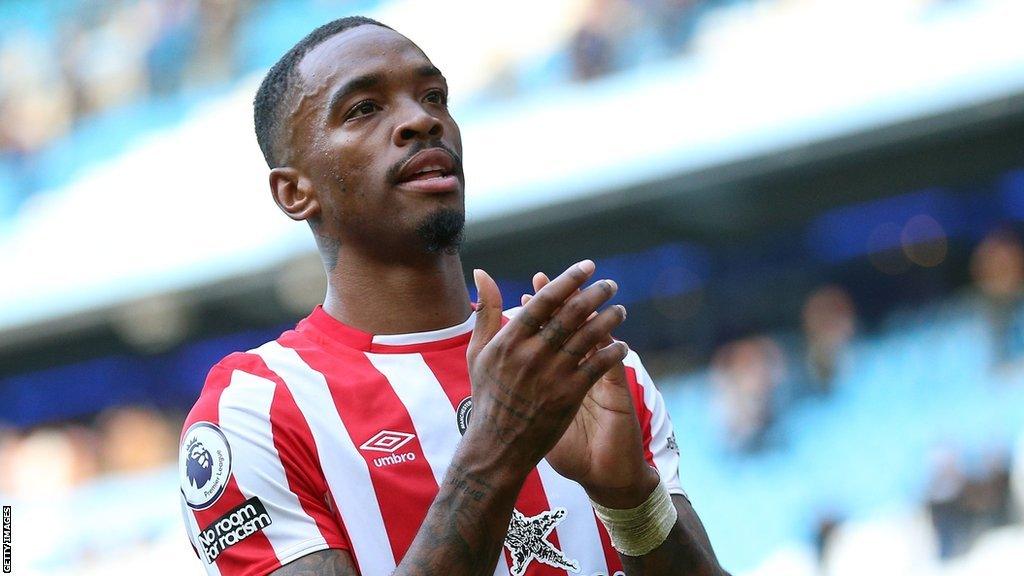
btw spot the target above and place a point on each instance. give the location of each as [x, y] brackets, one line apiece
[280, 84]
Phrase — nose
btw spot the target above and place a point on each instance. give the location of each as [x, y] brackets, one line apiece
[418, 123]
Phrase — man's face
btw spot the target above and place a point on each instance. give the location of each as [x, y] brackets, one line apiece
[373, 133]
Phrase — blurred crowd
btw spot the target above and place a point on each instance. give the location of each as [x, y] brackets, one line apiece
[759, 376]
[96, 56]
[965, 501]
[55, 459]
[93, 57]
[618, 34]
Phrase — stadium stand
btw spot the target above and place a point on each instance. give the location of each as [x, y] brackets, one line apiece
[846, 377]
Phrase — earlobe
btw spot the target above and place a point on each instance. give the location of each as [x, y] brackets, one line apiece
[294, 193]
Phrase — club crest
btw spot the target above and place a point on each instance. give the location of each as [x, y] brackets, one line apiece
[463, 412]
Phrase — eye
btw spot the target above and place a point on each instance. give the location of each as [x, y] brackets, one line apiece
[362, 109]
[437, 96]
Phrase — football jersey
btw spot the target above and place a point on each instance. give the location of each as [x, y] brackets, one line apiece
[329, 437]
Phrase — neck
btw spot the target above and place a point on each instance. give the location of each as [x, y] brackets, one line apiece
[385, 297]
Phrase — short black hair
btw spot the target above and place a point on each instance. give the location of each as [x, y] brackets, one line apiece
[280, 83]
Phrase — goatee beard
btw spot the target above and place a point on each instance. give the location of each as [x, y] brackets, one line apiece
[442, 231]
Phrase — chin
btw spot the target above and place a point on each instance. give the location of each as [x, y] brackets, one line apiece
[442, 230]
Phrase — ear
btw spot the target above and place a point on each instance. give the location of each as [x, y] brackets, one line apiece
[294, 193]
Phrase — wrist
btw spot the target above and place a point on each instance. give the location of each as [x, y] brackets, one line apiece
[639, 530]
[487, 456]
[628, 496]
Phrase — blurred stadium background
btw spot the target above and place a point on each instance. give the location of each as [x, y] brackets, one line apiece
[813, 208]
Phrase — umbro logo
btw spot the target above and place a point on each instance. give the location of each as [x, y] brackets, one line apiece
[389, 441]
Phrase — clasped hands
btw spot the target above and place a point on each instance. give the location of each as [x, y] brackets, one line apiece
[551, 383]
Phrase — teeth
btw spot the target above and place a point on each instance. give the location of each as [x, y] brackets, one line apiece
[430, 168]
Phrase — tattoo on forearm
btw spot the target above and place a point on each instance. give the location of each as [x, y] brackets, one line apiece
[464, 530]
[469, 484]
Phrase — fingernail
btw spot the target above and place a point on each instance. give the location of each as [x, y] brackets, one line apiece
[612, 285]
[587, 266]
[623, 308]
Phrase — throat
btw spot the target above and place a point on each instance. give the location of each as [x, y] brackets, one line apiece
[384, 298]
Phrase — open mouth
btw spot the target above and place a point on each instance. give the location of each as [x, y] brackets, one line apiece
[431, 170]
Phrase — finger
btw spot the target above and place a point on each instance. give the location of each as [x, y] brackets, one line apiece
[549, 298]
[488, 314]
[617, 374]
[575, 312]
[540, 280]
[591, 369]
[595, 334]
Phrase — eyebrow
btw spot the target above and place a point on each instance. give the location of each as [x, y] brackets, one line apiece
[367, 81]
[429, 70]
[354, 85]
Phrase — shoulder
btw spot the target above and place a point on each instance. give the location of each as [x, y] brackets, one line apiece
[232, 411]
[235, 366]
[239, 381]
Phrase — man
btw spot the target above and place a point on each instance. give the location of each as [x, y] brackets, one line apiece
[397, 429]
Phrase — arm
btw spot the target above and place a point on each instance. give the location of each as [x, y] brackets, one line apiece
[322, 563]
[687, 549]
[528, 383]
[603, 450]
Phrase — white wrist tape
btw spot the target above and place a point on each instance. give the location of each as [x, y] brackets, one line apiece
[637, 531]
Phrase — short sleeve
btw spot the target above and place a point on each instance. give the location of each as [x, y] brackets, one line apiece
[252, 495]
[660, 448]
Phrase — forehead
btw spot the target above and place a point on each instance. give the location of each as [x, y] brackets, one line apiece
[359, 51]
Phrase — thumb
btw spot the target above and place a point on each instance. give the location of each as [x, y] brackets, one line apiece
[488, 313]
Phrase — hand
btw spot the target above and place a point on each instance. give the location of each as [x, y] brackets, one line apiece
[602, 448]
[530, 375]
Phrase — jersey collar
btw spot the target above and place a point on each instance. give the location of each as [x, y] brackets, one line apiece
[322, 322]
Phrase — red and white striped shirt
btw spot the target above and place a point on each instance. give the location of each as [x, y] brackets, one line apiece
[329, 437]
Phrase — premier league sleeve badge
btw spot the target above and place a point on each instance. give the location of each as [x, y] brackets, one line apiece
[204, 465]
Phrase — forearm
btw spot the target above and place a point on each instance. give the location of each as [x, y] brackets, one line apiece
[463, 532]
[686, 551]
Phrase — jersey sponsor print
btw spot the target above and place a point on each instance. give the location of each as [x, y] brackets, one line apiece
[329, 437]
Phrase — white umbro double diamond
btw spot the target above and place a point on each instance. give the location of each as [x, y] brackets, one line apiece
[387, 441]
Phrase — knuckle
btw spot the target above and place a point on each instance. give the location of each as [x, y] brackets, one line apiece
[591, 371]
[571, 350]
[527, 319]
[578, 307]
